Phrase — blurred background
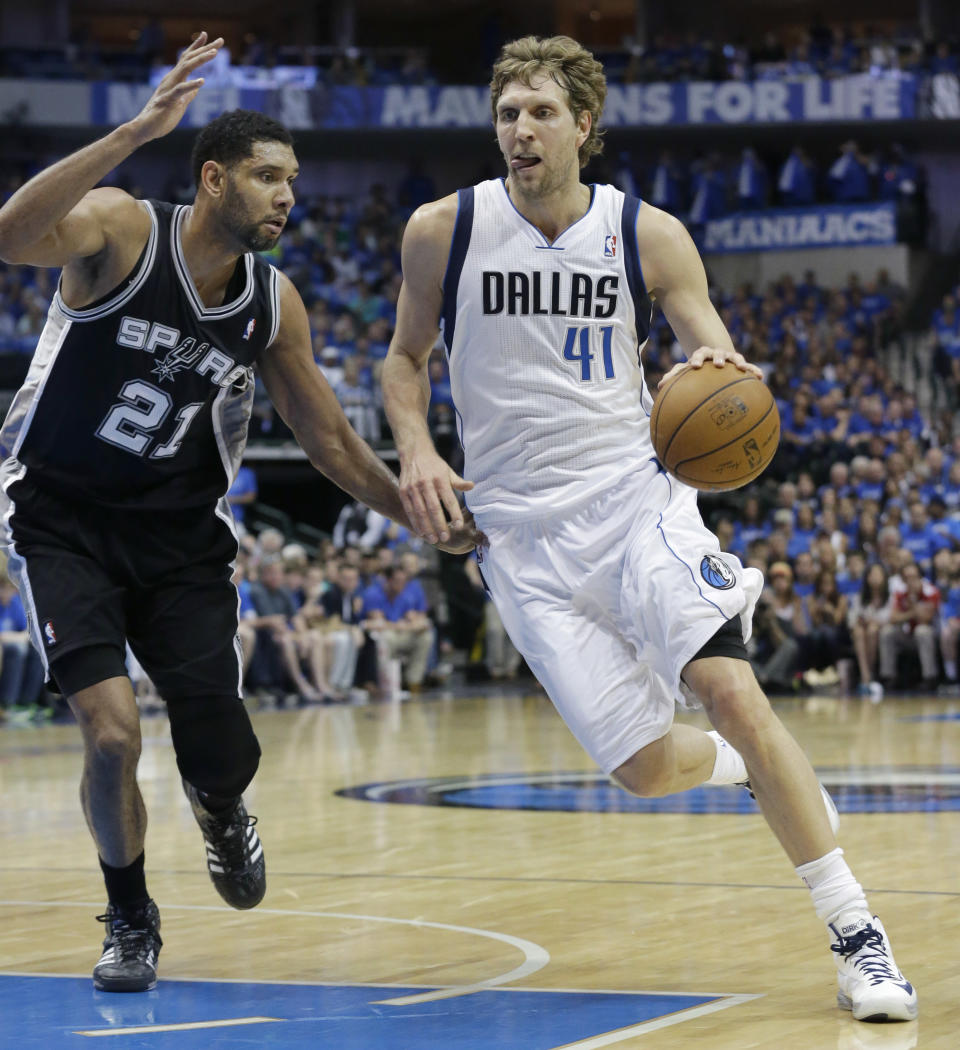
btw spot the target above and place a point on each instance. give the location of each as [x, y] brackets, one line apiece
[812, 151]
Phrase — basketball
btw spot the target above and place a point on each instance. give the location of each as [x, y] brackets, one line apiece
[715, 428]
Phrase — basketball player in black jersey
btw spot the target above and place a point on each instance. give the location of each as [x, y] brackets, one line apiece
[117, 454]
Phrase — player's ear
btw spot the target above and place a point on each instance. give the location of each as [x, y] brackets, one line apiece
[213, 177]
[584, 124]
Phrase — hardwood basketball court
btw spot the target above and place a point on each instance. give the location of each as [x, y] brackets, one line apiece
[453, 872]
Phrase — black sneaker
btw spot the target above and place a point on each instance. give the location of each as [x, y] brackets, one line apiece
[234, 852]
[130, 949]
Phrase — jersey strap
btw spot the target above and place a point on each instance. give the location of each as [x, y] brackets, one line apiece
[631, 260]
[462, 230]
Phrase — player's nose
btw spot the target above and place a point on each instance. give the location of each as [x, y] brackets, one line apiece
[524, 127]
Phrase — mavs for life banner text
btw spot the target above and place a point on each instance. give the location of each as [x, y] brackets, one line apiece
[852, 98]
[788, 228]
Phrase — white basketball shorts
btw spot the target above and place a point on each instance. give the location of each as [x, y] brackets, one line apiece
[609, 602]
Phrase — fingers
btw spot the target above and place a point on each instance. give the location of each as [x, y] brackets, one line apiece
[424, 511]
[719, 357]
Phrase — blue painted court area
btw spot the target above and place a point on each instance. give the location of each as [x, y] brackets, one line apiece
[47, 1013]
[860, 789]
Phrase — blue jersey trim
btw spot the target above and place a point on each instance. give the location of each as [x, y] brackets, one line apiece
[462, 231]
[693, 577]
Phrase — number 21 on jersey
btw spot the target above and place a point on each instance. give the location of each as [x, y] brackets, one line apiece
[141, 410]
[579, 347]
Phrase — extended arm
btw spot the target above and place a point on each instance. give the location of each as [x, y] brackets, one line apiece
[428, 486]
[58, 217]
[675, 277]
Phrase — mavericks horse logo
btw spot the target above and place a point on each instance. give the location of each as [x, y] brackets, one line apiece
[716, 572]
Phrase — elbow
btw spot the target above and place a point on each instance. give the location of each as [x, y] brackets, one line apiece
[11, 245]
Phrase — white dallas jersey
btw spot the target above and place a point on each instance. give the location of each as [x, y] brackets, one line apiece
[544, 344]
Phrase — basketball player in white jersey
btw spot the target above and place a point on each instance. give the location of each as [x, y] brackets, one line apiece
[602, 570]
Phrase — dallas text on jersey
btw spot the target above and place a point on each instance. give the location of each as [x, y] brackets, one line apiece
[544, 293]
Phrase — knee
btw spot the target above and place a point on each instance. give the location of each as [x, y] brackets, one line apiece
[114, 743]
[645, 773]
[217, 750]
[736, 708]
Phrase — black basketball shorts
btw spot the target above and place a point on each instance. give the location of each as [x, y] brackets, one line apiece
[93, 576]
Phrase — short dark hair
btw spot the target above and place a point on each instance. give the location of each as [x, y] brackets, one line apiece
[230, 138]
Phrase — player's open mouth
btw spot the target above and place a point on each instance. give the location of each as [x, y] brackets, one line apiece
[524, 161]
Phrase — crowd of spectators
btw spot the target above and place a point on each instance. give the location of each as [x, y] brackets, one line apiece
[369, 613]
[698, 189]
[822, 50]
[865, 478]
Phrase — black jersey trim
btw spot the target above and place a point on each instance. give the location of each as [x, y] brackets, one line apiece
[460, 242]
[183, 272]
[149, 255]
[274, 305]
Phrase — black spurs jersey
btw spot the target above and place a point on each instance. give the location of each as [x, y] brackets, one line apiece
[142, 399]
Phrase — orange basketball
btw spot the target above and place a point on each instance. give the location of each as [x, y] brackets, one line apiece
[715, 428]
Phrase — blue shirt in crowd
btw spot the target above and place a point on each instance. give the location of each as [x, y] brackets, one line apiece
[410, 599]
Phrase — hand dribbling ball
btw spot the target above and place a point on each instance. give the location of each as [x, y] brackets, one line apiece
[715, 428]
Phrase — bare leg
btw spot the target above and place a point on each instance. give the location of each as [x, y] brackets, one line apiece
[872, 646]
[682, 759]
[861, 646]
[111, 800]
[317, 661]
[291, 661]
[781, 776]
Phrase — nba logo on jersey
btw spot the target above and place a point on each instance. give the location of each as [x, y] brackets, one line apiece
[49, 633]
[251, 324]
[610, 246]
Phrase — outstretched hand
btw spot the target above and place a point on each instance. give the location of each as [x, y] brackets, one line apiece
[428, 492]
[463, 539]
[166, 106]
[718, 355]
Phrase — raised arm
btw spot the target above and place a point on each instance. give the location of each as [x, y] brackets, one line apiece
[675, 277]
[58, 217]
[309, 407]
[428, 486]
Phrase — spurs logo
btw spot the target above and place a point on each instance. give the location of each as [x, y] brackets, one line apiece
[181, 357]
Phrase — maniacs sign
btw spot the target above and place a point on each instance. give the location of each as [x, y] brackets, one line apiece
[802, 228]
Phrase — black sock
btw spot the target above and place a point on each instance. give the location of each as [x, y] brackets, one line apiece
[217, 805]
[126, 887]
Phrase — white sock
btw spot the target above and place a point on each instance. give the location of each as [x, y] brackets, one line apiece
[729, 767]
[834, 890]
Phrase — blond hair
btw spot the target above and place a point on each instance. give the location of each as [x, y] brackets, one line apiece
[567, 63]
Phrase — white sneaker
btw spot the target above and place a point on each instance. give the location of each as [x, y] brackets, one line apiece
[869, 982]
[876, 692]
[828, 804]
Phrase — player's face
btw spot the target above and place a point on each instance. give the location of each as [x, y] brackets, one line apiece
[258, 195]
[539, 137]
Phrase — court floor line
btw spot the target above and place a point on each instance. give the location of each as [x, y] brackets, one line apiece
[187, 1026]
[609, 1038]
[520, 879]
[535, 957]
[412, 984]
